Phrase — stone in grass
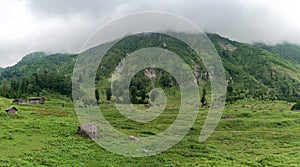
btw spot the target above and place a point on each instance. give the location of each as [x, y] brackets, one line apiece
[227, 117]
[133, 138]
[89, 130]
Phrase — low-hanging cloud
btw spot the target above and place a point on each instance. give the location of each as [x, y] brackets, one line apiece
[63, 26]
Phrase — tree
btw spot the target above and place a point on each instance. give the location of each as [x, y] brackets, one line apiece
[14, 85]
[5, 89]
[23, 85]
[143, 93]
[133, 94]
[108, 94]
[203, 99]
[296, 106]
[166, 80]
[30, 89]
[229, 89]
[97, 95]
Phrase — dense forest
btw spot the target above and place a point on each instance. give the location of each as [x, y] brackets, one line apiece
[35, 84]
[38, 72]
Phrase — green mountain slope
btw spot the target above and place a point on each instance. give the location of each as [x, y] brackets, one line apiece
[286, 50]
[252, 71]
[36, 73]
[39, 62]
[257, 72]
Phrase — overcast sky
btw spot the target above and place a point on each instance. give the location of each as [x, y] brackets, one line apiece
[64, 25]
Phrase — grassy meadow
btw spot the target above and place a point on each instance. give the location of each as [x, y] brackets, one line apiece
[254, 133]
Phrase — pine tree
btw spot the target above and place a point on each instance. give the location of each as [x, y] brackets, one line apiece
[97, 95]
[108, 94]
[203, 99]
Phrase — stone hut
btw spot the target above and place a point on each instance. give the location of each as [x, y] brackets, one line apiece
[20, 101]
[12, 110]
[37, 100]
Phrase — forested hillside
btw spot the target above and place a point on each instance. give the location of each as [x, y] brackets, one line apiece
[38, 72]
[254, 71]
[257, 72]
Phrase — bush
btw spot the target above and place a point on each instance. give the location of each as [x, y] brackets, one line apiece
[296, 106]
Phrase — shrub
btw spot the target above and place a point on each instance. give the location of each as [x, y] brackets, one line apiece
[296, 106]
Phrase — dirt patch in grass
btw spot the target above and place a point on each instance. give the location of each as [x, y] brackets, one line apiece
[52, 112]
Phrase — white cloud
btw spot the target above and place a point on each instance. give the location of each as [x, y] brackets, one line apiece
[63, 26]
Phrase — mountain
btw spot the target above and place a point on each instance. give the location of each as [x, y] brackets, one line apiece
[32, 56]
[39, 62]
[252, 70]
[38, 72]
[259, 72]
[286, 50]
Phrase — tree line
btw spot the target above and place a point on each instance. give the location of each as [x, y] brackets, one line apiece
[35, 84]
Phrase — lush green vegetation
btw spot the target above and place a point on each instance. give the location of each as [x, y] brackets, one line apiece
[252, 71]
[35, 85]
[39, 62]
[296, 106]
[38, 72]
[259, 133]
[258, 127]
[142, 84]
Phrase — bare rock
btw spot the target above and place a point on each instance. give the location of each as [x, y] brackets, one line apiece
[227, 117]
[89, 130]
[133, 138]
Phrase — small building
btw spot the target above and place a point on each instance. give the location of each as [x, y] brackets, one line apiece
[20, 101]
[12, 110]
[37, 100]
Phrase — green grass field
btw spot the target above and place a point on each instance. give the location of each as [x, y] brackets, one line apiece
[259, 133]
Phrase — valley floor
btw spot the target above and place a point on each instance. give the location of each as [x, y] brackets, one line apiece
[254, 133]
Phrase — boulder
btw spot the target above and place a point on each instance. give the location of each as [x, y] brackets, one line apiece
[227, 117]
[89, 130]
[133, 138]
